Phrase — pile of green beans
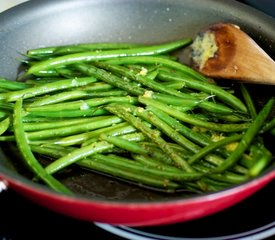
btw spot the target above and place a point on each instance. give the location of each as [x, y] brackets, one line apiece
[134, 112]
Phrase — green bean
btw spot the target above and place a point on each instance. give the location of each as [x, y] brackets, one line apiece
[249, 101]
[73, 129]
[163, 127]
[75, 48]
[164, 89]
[261, 163]
[151, 162]
[234, 118]
[152, 75]
[161, 62]
[216, 160]
[92, 91]
[88, 163]
[191, 101]
[9, 138]
[82, 104]
[268, 126]
[111, 79]
[108, 54]
[209, 148]
[132, 137]
[247, 138]
[77, 155]
[140, 169]
[152, 134]
[227, 177]
[59, 97]
[7, 107]
[46, 88]
[103, 164]
[69, 113]
[47, 73]
[155, 86]
[196, 137]
[188, 118]
[96, 87]
[12, 85]
[41, 80]
[159, 154]
[88, 137]
[80, 153]
[36, 126]
[174, 85]
[249, 159]
[4, 124]
[134, 112]
[212, 89]
[53, 151]
[25, 151]
[124, 144]
[68, 73]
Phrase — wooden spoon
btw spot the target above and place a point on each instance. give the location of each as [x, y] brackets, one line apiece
[224, 51]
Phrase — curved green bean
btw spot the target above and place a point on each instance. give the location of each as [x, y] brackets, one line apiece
[108, 54]
[25, 150]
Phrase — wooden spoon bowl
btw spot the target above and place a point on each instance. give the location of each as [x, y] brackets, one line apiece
[224, 51]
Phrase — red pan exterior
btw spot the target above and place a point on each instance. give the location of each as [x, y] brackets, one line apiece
[141, 214]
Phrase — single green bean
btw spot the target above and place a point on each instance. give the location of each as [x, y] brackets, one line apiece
[75, 128]
[4, 125]
[75, 48]
[46, 88]
[249, 101]
[25, 150]
[82, 104]
[38, 126]
[124, 144]
[12, 85]
[108, 54]
[70, 113]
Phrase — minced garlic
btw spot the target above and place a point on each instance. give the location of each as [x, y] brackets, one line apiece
[148, 94]
[143, 71]
[204, 47]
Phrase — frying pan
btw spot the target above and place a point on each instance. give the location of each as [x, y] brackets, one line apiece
[44, 22]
